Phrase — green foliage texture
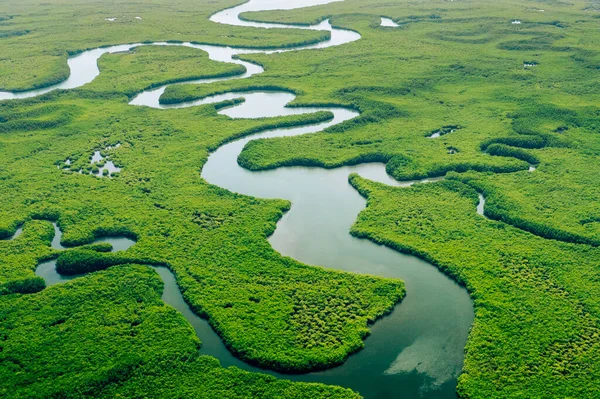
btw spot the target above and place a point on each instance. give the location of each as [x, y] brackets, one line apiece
[532, 270]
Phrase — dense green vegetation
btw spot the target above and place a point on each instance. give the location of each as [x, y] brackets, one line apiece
[202, 377]
[110, 335]
[537, 307]
[85, 261]
[151, 66]
[77, 334]
[458, 63]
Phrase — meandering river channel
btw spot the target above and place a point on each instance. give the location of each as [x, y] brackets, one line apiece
[416, 351]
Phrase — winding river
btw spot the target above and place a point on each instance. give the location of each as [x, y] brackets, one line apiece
[416, 351]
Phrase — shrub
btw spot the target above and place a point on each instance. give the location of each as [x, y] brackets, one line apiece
[507, 151]
[26, 286]
[84, 261]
